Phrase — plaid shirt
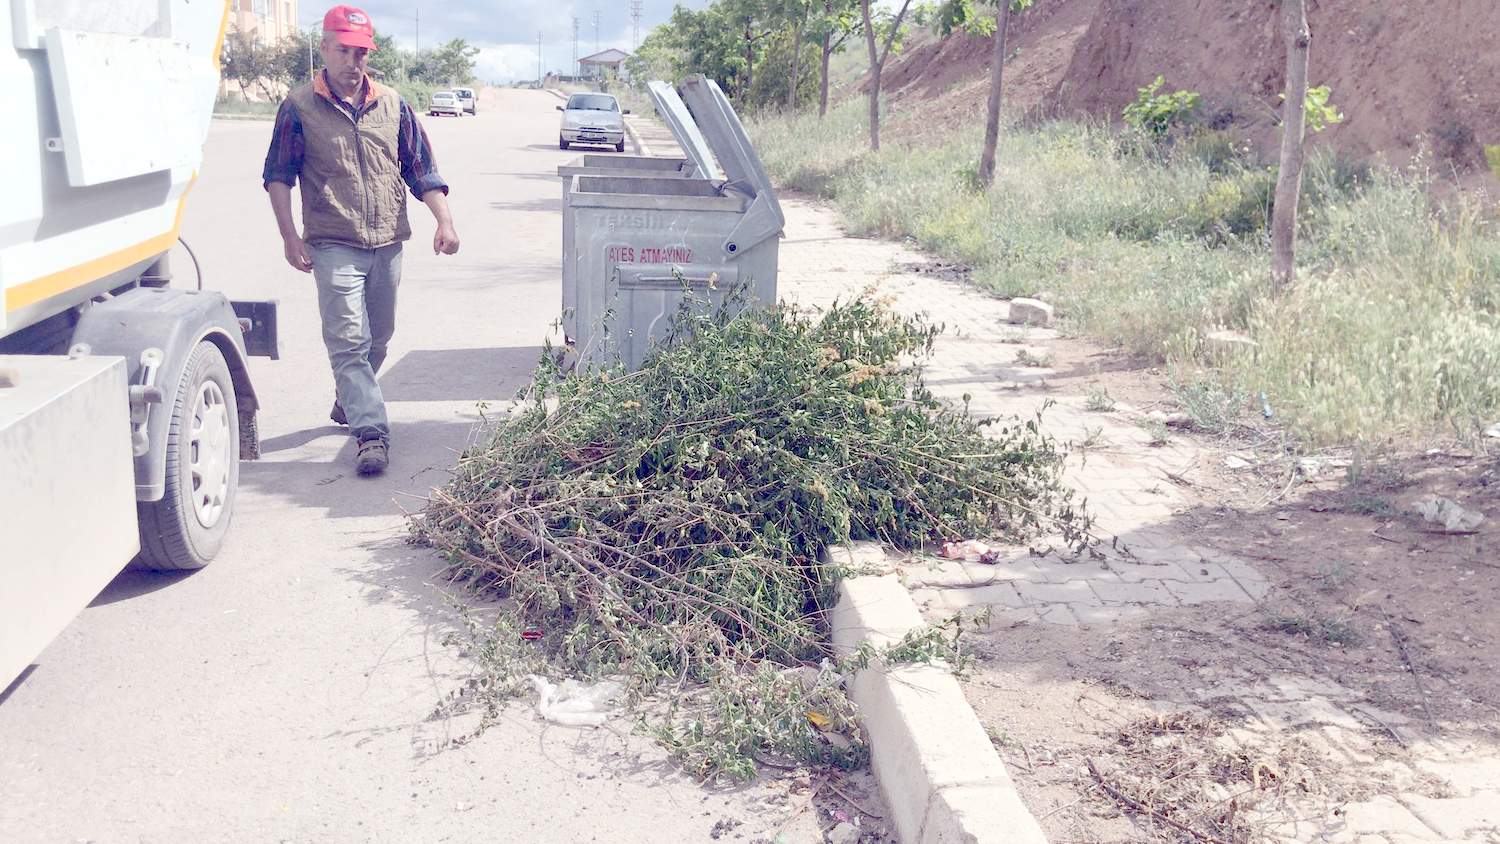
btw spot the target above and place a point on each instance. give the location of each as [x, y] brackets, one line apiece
[284, 159]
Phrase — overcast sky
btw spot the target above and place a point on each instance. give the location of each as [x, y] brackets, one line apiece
[506, 33]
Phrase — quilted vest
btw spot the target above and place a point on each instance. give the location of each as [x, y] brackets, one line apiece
[352, 190]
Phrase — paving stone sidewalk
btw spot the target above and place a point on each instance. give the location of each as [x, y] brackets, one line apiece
[1128, 484]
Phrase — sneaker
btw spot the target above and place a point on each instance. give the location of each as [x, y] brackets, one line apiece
[337, 414]
[373, 456]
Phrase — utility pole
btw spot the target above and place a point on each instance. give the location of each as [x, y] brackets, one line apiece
[635, 17]
[419, 33]
[575, 47]
[596, 30]
[312, 69]
[539, 58]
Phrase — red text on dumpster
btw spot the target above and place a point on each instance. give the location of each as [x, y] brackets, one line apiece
[648, 254]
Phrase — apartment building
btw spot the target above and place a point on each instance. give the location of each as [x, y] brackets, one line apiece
[268, 20]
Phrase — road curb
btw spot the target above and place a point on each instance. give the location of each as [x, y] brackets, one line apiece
[635, 139]
[938, 772]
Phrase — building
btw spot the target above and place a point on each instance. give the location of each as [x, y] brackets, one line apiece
[268, 21]
[602, 64]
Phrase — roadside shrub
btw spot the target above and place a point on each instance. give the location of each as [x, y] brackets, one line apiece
[1154, 114]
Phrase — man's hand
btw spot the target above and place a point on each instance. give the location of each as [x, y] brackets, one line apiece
[298, 256]
[445, 241]
[292, 243]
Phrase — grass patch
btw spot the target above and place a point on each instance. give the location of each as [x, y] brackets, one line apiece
[235, 106]
[1372, 505]
[1393, 330]
[1331, 629]
[1035, 360]
[1099, 400]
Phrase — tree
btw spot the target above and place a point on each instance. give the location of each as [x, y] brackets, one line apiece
[296, 57]
[655, 58]
[1003, 8]
[453, 63]
[388, 61]
[797, 11]
[877, 60]
[248, 62]
[832, 26]
[1293, 131]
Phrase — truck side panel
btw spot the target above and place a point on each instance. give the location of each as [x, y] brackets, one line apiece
[67, 495]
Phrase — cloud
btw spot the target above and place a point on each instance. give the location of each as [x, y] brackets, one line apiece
[506, 34]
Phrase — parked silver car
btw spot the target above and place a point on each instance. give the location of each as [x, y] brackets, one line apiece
[444, 102]
[592, 119]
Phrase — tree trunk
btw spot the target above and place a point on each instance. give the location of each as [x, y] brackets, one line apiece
[749, 60]
[1293, 129]
[791, 95]
[823, 87]
[864, 8]
[827, 56]
[992, 117]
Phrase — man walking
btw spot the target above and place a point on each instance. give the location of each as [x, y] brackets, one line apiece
[357, 147]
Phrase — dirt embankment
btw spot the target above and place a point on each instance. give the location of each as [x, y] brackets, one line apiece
[1407, 76]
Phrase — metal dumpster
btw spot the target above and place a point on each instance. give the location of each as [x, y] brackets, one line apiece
[643, 245]
[699, 164]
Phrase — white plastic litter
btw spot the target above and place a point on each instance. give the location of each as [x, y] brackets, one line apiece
[574, 704]
[1448, 515]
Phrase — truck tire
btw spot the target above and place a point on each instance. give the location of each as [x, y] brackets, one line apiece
[185, 529]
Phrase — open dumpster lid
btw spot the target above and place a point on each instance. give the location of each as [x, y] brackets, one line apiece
[671, 108]
[726, 136]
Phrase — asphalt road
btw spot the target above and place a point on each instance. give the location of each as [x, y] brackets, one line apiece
[282, 693]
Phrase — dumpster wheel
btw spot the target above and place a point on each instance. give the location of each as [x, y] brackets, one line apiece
[185, 529]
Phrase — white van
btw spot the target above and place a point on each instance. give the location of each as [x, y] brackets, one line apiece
[467, 100]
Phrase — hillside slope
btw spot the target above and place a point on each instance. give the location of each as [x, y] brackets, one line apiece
[1407, 76]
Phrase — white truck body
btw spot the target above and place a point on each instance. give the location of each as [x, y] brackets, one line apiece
[107, 107]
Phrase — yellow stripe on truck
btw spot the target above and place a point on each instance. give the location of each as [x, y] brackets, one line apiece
[37, 290]
[223, 28]
[41, 289]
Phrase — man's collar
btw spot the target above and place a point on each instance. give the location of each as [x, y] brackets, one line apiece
[372, 89]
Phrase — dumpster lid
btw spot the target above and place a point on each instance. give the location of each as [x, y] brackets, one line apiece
[726, 136]
[672, 109]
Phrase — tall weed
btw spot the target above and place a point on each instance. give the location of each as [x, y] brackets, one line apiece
[1392, 330]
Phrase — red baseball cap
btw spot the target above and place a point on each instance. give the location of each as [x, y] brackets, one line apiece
[351, 27]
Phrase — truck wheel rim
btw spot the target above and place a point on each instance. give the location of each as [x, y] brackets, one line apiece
[209, 454]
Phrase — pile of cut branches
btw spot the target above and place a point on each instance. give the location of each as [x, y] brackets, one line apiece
[667, 525]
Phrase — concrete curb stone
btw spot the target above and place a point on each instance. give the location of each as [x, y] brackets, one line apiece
[936, 767]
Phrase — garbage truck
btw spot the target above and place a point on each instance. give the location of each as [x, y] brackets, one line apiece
[125, 398]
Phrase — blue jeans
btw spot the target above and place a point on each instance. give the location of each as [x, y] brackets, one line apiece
[357, 299]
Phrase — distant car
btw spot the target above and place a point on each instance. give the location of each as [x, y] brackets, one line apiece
[592, 119]
[467, 100]
[444, 102]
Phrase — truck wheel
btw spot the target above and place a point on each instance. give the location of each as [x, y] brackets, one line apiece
[185, 529]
